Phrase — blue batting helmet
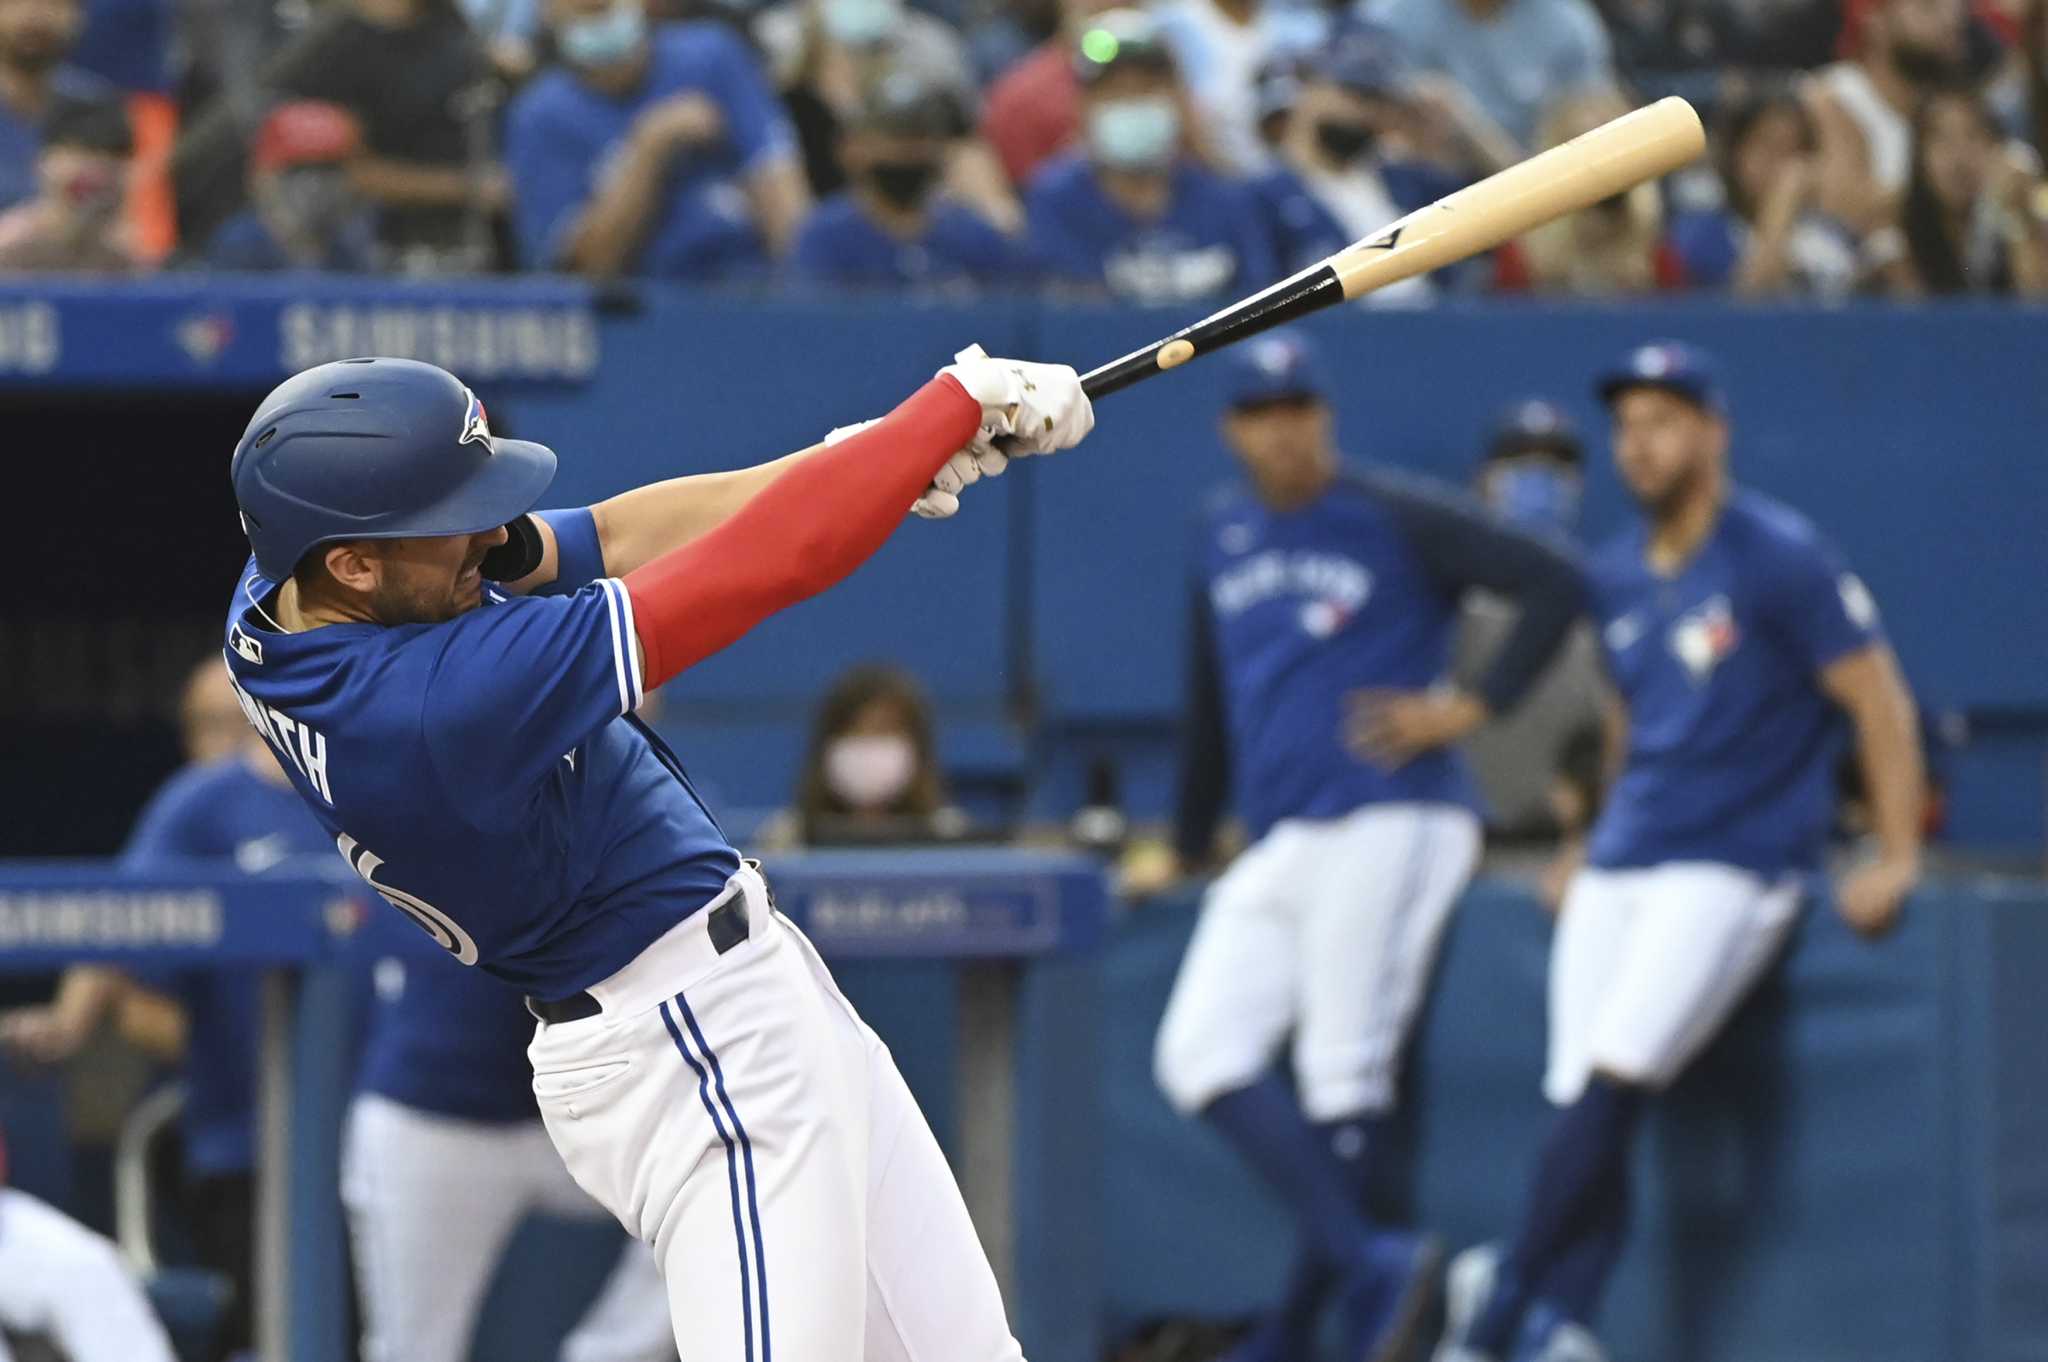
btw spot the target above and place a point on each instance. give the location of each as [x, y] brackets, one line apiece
[376, 449]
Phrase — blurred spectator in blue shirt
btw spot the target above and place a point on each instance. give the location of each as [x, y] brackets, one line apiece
[1768, 237]
[1133, 213]
[36, 38]
[73, 225]
[657, 151]
[896, 226]
[1515, 57]
[304, 213]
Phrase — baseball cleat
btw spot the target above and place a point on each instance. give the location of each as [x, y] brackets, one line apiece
[1387, 1304]
[1467, 1286]
[1548, 1336]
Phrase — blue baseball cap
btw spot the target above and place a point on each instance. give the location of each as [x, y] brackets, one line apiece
[1534, 426]
[1673, 366]
[1272, 367]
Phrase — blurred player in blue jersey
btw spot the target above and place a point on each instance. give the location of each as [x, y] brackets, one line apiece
[1325, 600]
[1738, 641]
[444, 1157]
[473, 752]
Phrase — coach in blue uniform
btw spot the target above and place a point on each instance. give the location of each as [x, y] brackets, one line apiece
[1325, 602]
[1131, 211]
[1738, 641]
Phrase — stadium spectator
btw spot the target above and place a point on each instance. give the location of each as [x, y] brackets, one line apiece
[417, 80]
[305, 213]
[36, 39]
[1134, 213]
[1517, 58]
[65, 1291]
[73, 225]
[1347, 165]
[1768, 236]
[1970, 220]
[1220, 47]
[1863, 107]
[1034, 108]
[871, 771]
[652, 150]
[1616, 247]
[1677, 47]
[1528, 760]
[829, 56]
[897, 225]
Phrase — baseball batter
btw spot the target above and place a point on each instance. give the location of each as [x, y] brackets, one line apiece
[474, 755]
[1738, 640]
[1325, 600]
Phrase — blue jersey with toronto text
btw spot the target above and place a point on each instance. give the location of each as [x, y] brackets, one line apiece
[486, 774]
[1303, 608]
[1732, 744]
[224, 812]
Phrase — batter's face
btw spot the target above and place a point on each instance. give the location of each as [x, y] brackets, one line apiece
[1285, 445]
[1665, 446]
[416, 581]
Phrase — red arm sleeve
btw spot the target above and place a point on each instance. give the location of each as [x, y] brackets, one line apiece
[804, 532]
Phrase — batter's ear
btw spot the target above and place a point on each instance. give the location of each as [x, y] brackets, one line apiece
[351, 564]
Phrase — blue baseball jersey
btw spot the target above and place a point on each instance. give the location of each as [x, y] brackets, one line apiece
[958, 248]
[1732, 743]
[1302, 608]
[562, 137]
[442, 1038]
[222, 811]
[1211, 239]
[486, 774]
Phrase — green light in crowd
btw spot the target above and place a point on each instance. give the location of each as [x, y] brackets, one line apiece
[1099, 46]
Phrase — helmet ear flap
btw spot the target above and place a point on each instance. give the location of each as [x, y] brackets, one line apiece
[519, 555]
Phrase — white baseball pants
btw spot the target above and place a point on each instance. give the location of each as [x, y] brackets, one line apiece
[1649, 965]
[1328, 929]
[432, 1202]
[60, 1280]
[734, 1112]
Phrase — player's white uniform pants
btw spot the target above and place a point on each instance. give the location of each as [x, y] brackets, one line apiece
[1325, 928]
[432, 1202]
[1649, 965]
[735, 1113]
[60, 1280]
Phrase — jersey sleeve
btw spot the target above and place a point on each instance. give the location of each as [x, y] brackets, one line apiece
[1815, 606]
[171, 826]
[579, 557]
[755, 125]
[517, 685]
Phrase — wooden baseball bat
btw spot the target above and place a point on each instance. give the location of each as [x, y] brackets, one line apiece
[1613, 157]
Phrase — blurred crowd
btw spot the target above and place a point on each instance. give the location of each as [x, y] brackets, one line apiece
[1161, 154]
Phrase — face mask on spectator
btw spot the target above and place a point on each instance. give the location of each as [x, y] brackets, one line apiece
[903, 183]
[860, 23]
[872, 770]
[603, 40]
[1344, 142]
[93, 191]
[1538, 498]
[1135, 134]
[312, 201]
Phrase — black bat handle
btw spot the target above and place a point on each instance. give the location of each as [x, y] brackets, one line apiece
[1310, 291]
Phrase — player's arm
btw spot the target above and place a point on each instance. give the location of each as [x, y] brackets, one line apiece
[1462, 547]
[1867, 684]
[53, 1032]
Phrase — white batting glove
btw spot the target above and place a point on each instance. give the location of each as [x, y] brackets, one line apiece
[980, 459]
[1040, 407]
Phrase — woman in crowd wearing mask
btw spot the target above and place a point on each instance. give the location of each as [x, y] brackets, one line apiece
[896, 226]
[872, 772]
[303, 215]
[1970, 222]
[1615, 247]
[1133, 212]
[73, 224]
[828, 57]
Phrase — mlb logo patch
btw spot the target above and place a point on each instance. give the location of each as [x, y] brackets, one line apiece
[248, 649]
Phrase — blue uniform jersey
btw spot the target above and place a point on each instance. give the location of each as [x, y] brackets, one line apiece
[1732, 744]
[442, 1038]
[486, 775]
[1211, 239]
[1357, 590]
[562, 137]
[225, 812]
[839, 245]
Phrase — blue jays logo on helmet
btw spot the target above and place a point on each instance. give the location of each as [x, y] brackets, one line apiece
[476, 423]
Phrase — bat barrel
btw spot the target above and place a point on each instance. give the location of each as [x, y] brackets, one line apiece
[1310, 291]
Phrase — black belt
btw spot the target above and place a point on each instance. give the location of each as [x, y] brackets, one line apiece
[728, 927]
